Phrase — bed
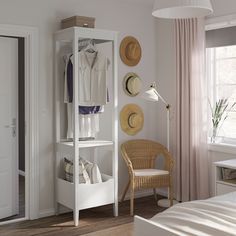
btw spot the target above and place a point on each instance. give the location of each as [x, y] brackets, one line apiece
[215, 216]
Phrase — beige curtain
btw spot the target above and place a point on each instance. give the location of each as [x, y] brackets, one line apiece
[192, 178]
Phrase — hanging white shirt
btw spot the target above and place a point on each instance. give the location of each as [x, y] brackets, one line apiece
[92, 78]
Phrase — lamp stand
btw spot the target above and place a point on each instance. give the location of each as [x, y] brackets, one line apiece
[166, 202]
[153, 95]
[168, 127]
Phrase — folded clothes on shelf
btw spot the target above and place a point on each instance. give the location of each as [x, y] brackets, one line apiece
[83, 175]
[89, 173]
[92, 170]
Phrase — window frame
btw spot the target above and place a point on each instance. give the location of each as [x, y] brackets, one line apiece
[212, 24]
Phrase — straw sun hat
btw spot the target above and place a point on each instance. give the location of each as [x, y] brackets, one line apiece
[130, 51]
[132, 84]
[131, 119]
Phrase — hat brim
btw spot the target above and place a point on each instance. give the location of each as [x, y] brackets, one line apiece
[125, 84]
[124, 119]
[125, 42]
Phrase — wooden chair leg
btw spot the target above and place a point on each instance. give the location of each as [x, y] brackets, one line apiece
[155, 194]
[170, 195]
[132, 201]
[126, 189]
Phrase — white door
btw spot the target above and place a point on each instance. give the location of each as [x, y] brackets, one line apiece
[8, 127]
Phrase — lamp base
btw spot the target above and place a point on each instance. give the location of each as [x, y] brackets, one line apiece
[166, 203]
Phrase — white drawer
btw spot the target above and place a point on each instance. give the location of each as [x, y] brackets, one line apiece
[224, 188]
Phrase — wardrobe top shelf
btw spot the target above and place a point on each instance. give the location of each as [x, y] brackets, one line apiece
[69, 34]
[86, 144]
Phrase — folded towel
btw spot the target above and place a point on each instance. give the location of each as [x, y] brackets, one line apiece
[92, 170]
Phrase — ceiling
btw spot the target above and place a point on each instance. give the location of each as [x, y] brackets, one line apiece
[146, 2]
[151, 2]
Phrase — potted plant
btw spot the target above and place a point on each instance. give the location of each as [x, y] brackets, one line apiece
[219, 113]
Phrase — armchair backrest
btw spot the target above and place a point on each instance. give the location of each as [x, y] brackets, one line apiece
[143, 153]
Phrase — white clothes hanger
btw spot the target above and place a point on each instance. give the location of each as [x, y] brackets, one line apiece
[91, 47]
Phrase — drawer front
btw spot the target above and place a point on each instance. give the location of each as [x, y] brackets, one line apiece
[223, 189]
[93, 195]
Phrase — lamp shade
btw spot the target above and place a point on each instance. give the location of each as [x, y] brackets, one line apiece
[151, 95]
[182, 9]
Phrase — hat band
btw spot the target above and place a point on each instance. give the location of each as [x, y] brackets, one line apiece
[127, 85]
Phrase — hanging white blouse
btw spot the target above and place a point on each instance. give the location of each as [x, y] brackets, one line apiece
[92, 78]
[92, 91]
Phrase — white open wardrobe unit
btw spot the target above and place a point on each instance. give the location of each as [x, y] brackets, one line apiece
[74, 195]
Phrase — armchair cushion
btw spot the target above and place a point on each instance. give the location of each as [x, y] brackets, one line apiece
[149, 172]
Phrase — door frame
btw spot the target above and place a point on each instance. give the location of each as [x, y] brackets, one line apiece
[31, 36]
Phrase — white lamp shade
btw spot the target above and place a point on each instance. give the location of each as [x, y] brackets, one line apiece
[182, 9]
[151, 95]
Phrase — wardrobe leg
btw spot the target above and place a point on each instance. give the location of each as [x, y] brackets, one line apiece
[115, 209]
[76, 218]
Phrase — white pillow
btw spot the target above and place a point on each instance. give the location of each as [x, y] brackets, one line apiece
[93, 171]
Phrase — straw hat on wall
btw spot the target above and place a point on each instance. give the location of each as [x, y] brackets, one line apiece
[130, 51]
[131, 119]
[132, 84]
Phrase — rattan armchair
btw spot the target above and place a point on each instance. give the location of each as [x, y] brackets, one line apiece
[140, 157]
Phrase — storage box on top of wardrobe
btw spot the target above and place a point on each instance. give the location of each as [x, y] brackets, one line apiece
[80, 21]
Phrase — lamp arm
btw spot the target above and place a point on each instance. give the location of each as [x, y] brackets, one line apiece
[162, 99]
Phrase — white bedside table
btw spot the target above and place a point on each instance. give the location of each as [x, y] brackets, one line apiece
[224, 186]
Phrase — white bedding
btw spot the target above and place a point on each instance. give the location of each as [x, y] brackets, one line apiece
[212, 217]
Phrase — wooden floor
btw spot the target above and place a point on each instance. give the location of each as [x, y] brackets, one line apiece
[97, 221]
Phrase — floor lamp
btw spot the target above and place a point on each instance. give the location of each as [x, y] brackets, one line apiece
[152, 95]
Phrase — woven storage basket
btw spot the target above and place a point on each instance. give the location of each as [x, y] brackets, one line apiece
[81, 21]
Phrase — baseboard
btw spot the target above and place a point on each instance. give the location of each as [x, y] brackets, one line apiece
[140, 194]
[46, 213]
[52, 211]
[22, 173]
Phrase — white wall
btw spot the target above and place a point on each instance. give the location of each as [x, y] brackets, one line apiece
[127, 17]
[166, 74]
[222, 8]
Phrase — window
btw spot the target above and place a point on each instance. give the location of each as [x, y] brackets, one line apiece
[221, 76]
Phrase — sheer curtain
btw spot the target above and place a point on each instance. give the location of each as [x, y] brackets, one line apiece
[192, 178]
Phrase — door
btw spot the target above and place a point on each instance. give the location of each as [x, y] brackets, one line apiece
[9, 186]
